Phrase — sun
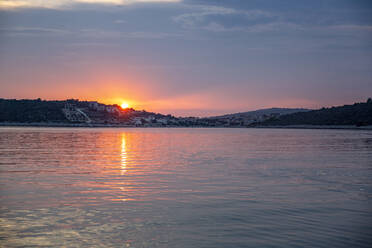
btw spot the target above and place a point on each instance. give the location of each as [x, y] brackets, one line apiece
[124, 105]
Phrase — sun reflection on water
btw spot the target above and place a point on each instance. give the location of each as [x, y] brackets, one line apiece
[123, 154]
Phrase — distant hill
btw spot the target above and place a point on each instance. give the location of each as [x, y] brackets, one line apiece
[244, 119]
[358, 114]
[260, 112]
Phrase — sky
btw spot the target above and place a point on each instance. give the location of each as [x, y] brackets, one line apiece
[188, 57]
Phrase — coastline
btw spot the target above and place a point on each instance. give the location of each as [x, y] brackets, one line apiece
[95, 125]
[348, 127]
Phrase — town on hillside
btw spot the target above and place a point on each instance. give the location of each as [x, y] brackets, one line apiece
[73, 112]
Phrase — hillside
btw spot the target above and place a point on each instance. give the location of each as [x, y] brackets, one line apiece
[88, 113]
[31, 111]
[73, 111]
[358, 114]
[247, 118]
[268, 111]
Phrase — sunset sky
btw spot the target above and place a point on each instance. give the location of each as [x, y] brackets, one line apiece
[188, 57]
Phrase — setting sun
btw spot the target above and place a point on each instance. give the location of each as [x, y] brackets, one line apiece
[124, 105]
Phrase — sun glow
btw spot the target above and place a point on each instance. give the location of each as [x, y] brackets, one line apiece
[124, 105]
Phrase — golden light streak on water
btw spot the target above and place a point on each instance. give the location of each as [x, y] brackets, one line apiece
[123, 154]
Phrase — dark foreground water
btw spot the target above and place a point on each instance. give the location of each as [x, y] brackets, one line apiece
[185, 188]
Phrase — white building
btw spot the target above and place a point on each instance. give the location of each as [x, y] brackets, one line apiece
[162, 121]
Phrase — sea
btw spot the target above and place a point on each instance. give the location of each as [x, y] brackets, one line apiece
[185, 187]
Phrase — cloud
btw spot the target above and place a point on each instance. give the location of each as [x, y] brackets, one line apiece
[104, 34]
[224, 19]
[34, 31]
[57, 4]
[351, 27]
[216, 27]
[119, 21]
[250, 17]
[190, 20]
[86, 33]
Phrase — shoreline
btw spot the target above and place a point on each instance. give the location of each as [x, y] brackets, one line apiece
[336, 127]
[97, 125]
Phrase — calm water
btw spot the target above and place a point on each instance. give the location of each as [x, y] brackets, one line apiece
[185, 188]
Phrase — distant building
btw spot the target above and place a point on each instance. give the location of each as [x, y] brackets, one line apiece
[137, 121]
[93, 105]
[74, 114]
[162, 121]
[111, 109]
[150, 118]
